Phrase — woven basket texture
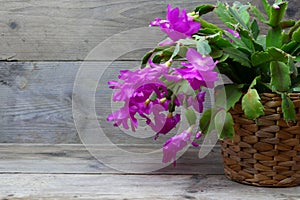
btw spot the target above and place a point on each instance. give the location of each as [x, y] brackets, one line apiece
[265, 152]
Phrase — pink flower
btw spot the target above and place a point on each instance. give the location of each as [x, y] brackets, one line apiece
[134, 88]
[234, 33]
[177, 25]
[276, 7]
[175, 144]
[199, 70]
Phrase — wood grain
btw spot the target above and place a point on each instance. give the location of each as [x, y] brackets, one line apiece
[81, 186]
[40, 171]
[75, 158]
[68, 30]
[36, 104]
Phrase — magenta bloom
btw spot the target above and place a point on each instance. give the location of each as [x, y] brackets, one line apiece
[162, 124]
[199, 70]
[121, 117]
[175, 144]
[177, 25]
[234, 33]
[197, 102]
[134, 88]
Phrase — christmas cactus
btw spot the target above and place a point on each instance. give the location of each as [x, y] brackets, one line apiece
[180, 70]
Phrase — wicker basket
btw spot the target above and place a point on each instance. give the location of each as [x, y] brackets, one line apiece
[265, 153]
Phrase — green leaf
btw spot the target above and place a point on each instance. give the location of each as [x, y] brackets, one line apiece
[237, 42]
[216, 54]
[203, 47]
[254, 29]
[207, 124]
[191, 116]
[224, 125]
[259, 58]
[205, 8]
[290, 47]
[223, 58]
[267, 7]
[153, 96]
[247, 40]
[294, 28]
[288, 109]
[251, 104]
[157, 58]
[285, 38]
[276, 15]
[274, 38]
[296, 89]
[243, 12]
[287, 24]
[254, 82]
[205, 24]
[261, 39]
[296, 35]
[280, 76]
[250, 42]
[272, 54]
[223, 14]
[148, 55]
[220, 42]
[238, 18]
[207, 31]
[238, 56]
[176, 51]
[228, 95]
[187, 41]
[278, 54]
[145, 59]
[228, 130]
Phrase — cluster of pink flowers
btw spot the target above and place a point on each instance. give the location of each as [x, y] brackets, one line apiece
[177, 25]
[145, 92]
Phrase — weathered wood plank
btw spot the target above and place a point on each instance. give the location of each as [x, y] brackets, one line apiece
[74, 159]
[36, 100]
[80, 186]
[69, 30]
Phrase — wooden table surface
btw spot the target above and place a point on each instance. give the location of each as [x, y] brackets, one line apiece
[42, 46]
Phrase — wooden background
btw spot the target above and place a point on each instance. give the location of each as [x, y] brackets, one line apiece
[42, 45]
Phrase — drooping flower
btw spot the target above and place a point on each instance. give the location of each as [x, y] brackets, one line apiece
[177, 25]
[175, 144]
[134, 88]
[199, 70]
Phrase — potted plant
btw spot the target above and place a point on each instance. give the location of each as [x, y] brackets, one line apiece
[256, 115]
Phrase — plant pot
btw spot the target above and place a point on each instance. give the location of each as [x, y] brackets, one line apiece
[265, 152]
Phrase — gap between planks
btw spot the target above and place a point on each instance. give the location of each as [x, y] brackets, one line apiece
[75, 159]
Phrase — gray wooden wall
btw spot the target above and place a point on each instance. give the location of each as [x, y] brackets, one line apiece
[43, 43]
